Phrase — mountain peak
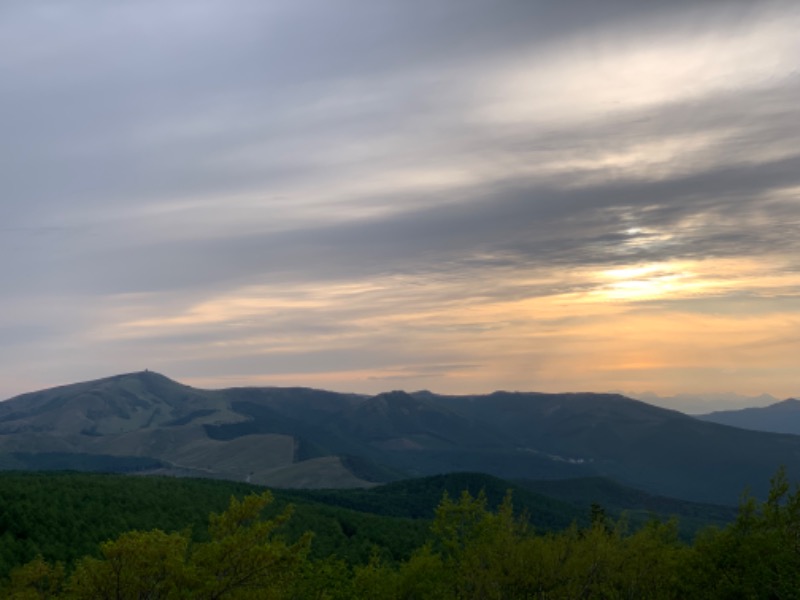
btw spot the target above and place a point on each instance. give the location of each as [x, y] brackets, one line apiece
[146, 376]
[118, 403]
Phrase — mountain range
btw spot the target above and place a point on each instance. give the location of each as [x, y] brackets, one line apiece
[301, 437]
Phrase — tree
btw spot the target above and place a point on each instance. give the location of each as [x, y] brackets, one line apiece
[36, 580]
[757, 556]
[138, 565]
[242, 560]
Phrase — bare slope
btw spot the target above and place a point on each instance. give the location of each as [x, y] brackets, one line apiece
[107, 423]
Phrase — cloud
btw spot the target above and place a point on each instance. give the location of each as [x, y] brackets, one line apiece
[279, 188]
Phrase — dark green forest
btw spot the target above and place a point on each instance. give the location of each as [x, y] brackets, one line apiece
[65, 516]
[98, 536]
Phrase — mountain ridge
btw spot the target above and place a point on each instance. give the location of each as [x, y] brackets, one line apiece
[779, 417]
[303, 437]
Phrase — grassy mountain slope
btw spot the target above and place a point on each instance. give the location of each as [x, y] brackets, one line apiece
[145, 421]
[107, 406]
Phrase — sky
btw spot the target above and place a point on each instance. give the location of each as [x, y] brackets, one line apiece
[454, 195]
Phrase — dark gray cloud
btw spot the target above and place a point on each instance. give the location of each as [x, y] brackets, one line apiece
[135, 103]
[508, 224]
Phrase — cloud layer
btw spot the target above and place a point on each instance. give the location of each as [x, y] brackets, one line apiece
[462, 196]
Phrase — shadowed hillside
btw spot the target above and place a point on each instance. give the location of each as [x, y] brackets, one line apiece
[301, 437]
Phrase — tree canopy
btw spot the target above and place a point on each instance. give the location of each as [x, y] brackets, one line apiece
[472, 552]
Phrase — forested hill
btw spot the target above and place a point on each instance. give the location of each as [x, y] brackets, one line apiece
[305, 438]
[66, 515]
[258, 547]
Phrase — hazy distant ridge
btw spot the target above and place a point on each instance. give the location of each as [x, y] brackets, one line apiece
[781, 417]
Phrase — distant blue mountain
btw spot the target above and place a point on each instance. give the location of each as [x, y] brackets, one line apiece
[782, 417]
